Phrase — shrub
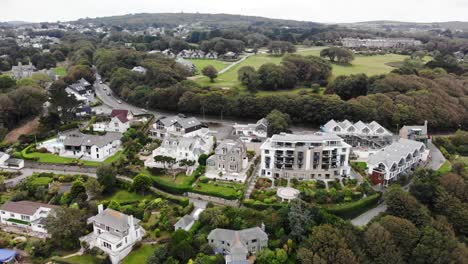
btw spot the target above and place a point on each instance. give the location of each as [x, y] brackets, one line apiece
[353, 209]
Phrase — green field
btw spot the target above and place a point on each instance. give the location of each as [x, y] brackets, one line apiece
[126, 196]
[201, 63]
[84, 259]
[139, 255]
[370, 65]
[227, 190]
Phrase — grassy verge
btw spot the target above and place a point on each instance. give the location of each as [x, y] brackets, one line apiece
[60, 71]
[124, 196]
[226, 190]
[201, 63]
[360, 167]
[445, 168]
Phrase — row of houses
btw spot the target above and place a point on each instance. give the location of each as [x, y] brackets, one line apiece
[380, 42]
[197, 54]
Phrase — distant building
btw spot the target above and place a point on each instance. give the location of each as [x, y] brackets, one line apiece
[22, 71]
[186, 64]
[230, 56]
[388, 164]
[81, 87]
[139, 69]
[304, 157]
[237, 245]
[380, 43]
[120, 122]
[249, 132]
[114, 233]
[360, 134]
[178, 125]
[186, 222]
[418, 133]
[27, 215]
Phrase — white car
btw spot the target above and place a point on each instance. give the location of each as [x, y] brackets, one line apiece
[118, 101]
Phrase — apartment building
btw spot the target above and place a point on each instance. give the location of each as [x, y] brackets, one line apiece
[304, 157]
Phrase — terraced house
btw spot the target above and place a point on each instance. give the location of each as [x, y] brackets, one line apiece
[304, 157]
[388, 164]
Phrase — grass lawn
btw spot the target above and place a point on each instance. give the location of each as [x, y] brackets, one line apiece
[221, 189]
[181, 179]
[60, 71]
[124, 195]
[84, 259]
[445, 168]
[201, 63]
[371, 65]
[139, 255]
[41, 181]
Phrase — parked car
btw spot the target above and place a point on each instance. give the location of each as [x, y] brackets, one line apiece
[118, 101]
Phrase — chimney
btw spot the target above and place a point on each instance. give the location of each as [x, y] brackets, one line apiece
[425, 124]
[130, 222]
[263, 227]
[100, 208]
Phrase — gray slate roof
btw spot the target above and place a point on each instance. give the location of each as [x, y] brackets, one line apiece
[24, 207]
[185, 122]
[185, 221]
[245, 234]
[305, 138]
[113, 219]
[76, 138]
[395, 152]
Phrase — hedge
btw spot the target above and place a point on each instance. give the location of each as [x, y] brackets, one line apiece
[353, 209]
[216, 194]
[262, 206]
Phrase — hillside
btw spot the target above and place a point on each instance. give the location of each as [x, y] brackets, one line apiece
[400, 25]
[212, 20]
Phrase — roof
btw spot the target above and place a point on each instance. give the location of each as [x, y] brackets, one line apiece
[245, 234]
[305, 137]
[121, 114]
[185, 221]
[229, 144]
[24, 207]
[262, 121]
[77, 138]
[114, 219]
[3, 154]
[185, 122]
[346, 124]
[395, 152]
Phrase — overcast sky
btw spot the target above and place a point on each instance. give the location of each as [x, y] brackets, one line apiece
[309, 10]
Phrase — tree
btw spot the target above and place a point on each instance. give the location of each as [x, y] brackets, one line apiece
[248, 76]
[159, 255]
[342, 55]
[210, 72]
[106, 176]
[6, 82]
[281, 47]
[93, 188]
[402, 204]
[202, 159]
[277, 122]
[404, 233]
[271, 76]
[347, 87]
[434, 247]
[186, 163]
[78, 190]
[65, 226]
[267, 256]
[142, 183]
[300, 218]
[380, 246]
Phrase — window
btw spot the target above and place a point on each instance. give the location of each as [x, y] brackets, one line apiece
[233, 158]
[107, 245]
[267, 151]
[3, 212]
[12, 214]
[119, 245]
[25, 217]
[254, 240]
[107, 228]
[126, 241]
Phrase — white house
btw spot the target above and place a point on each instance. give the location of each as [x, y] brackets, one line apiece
[360, 134]
[180, 148]
[76, 144]
[7, 162]
[26, 215]
[178, 125]
[113, 232]
[229, 161]
[249, 132]
[310, 156]
[120, 122]
[386, 165]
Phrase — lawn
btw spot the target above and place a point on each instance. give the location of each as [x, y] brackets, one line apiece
[227, 190]
[139, 255]
[60, 71]
[445, 168]
[41, 181]
[371, 65]
[181, 179]
[126, 196]
[200, 64]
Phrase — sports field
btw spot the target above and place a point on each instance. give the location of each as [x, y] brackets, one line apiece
[370, 65]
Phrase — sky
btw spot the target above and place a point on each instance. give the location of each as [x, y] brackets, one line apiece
[325, 11]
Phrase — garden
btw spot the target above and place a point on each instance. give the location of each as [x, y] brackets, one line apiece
[335, 196]
[223, 189]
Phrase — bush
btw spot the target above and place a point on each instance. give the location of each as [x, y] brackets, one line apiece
[353, 209]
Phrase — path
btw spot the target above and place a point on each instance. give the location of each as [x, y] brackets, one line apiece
[26, 128]
[230, 66]
[251, 180]
[365, 218]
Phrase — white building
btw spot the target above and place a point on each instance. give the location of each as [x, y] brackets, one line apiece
[386, 165]
[177, 125]
[113, 232]
[304, 157]
[22, 71]
[380, 42]
[76, 144]
[26, 215]
[249, 132]
[7, 162]
[180, 148]
[360, 134]
[139, 69]
[120, 122]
